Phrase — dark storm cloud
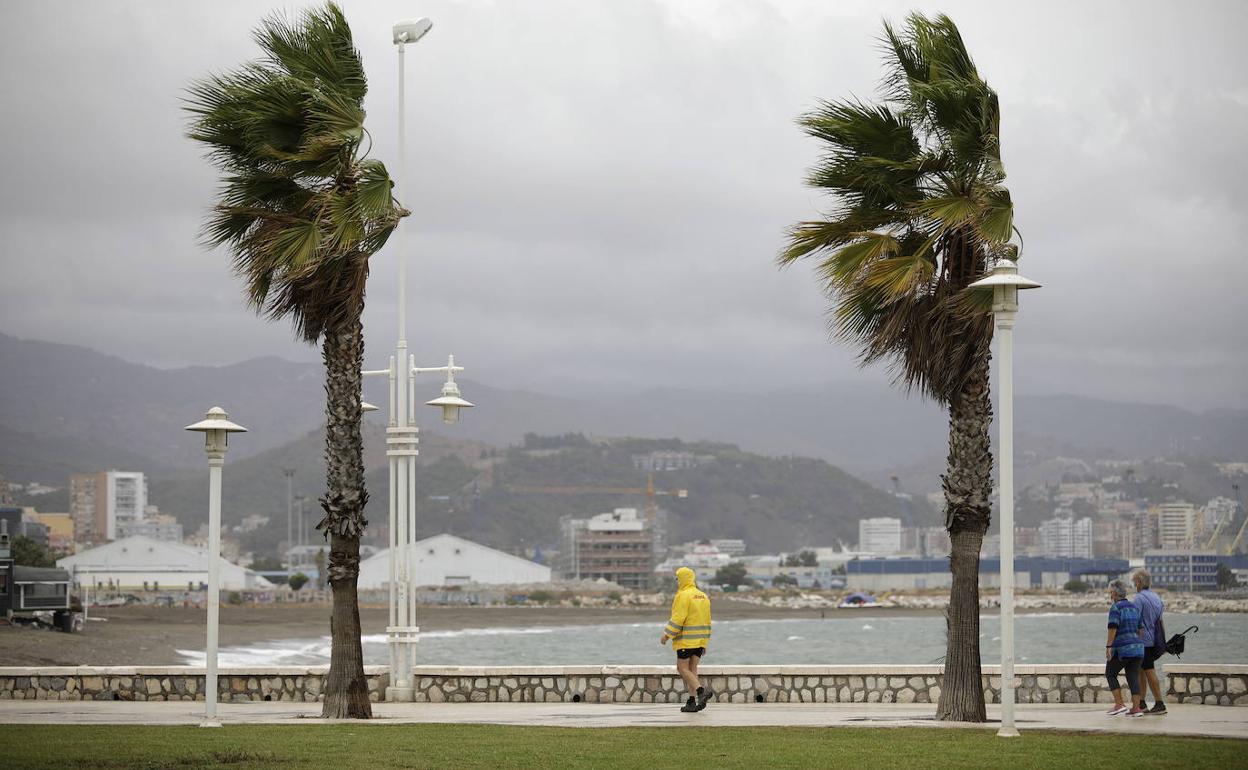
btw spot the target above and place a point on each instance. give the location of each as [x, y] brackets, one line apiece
[599, 188]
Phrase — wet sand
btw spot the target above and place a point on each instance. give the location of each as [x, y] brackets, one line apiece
[135, 635]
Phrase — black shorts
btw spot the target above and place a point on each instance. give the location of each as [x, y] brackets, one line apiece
[690, 652]
[1151, 654]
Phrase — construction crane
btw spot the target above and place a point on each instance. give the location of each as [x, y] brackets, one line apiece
[1239, 538]
[648, 490]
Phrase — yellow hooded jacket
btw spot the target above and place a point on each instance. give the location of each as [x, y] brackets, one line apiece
[690, 624]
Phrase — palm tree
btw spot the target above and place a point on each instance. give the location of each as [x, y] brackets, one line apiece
[301, 209]
[922, 213]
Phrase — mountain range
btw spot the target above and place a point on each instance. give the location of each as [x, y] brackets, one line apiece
[66, 408]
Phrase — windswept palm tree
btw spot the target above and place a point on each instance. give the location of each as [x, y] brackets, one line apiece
[301, 209]
[921, 214]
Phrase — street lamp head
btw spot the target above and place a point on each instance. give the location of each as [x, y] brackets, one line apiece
[216, 427]
[451, 402]
[411, 30]
[367, 407]
[1004, 282]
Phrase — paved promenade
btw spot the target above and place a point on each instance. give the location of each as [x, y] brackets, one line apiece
[1203, 721]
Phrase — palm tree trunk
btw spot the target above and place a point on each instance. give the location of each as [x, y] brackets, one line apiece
[967, 485]
[346, 689]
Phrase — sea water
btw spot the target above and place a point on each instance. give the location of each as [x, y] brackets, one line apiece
[847, 638]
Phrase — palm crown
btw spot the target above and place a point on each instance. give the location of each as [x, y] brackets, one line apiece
[922, 209]
[300, 207]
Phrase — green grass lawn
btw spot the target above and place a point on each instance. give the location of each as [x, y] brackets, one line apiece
[376, 746]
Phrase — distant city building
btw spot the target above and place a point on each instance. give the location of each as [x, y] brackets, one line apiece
[99, 502]
[1029, 572]
[1066, 537]
[60, 528]
[1026, 541]
[447, 560]
[252, 523]
[1089, 492]
[765, 569]
[1177, 525]
[22, 522]
[657, 462]
[1232, 470]
[991, 547]
[729, 546]
[1218, 512]
[1183, 569]
[881, 536]
[617, 546]
[142, 564]
[701, 557]
[158, 527]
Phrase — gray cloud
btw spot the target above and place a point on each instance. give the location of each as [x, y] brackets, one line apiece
[599, 188]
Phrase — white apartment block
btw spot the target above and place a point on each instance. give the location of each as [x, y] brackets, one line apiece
[881, 536]
[1178, 525]
[100, 503]
[1067, 538]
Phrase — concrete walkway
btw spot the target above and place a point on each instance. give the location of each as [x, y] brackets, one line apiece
[1191, 720]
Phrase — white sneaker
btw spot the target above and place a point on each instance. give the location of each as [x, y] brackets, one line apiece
[1118, 711]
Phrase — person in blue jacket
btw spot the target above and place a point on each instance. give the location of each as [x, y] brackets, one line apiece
[1124, 649]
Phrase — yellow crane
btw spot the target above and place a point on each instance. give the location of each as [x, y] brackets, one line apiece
[1239, 538]
[648, 490]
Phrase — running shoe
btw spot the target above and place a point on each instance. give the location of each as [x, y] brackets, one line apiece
[1134, 713]
[1158, 710]
[707, 694]
[1117, 711]
[690, 706]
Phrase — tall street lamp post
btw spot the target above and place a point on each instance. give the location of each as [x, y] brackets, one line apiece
[1004, 282]
[402, 436]
[216, 427]
[289, 473]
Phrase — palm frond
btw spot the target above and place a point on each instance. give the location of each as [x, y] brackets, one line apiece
[921, 208]
[299, 207]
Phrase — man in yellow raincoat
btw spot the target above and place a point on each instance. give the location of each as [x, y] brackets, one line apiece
[689, 628]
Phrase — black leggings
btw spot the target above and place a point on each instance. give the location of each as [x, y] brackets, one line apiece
[1132, 665]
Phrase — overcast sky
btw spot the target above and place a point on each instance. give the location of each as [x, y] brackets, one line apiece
[600, 188]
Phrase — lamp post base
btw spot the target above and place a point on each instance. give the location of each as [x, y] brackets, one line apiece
[400, 694]
[1007, 732]
[209, 723]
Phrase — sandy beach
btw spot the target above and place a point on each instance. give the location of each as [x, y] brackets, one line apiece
[138, 635]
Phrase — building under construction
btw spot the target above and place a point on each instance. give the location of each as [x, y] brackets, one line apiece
[620, 546]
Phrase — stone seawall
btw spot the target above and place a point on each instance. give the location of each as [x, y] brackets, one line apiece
[1225, 685]
[140, 683]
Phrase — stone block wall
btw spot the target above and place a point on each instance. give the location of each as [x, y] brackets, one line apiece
[747, 684]
[165, 683]
[1224, 685]
[1220, 685]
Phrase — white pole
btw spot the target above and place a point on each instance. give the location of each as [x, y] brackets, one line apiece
[216, 458]
[1005, 364]
[290, 514]
[400, 448]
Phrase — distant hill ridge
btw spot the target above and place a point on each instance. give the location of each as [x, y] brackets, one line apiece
[89, 410]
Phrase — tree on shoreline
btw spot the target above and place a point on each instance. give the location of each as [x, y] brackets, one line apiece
[301, 209]
[922, 214]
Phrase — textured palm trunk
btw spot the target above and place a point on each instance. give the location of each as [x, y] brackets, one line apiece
[967, 485]
[346, 689]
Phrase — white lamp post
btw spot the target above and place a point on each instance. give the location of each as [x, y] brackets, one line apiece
[402, 436]
[1004, 282]
[216, 427]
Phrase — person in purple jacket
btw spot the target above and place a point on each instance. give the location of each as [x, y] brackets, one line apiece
[1154, 636]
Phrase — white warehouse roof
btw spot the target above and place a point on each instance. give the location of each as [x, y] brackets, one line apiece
[449, 560]
[134, 561]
